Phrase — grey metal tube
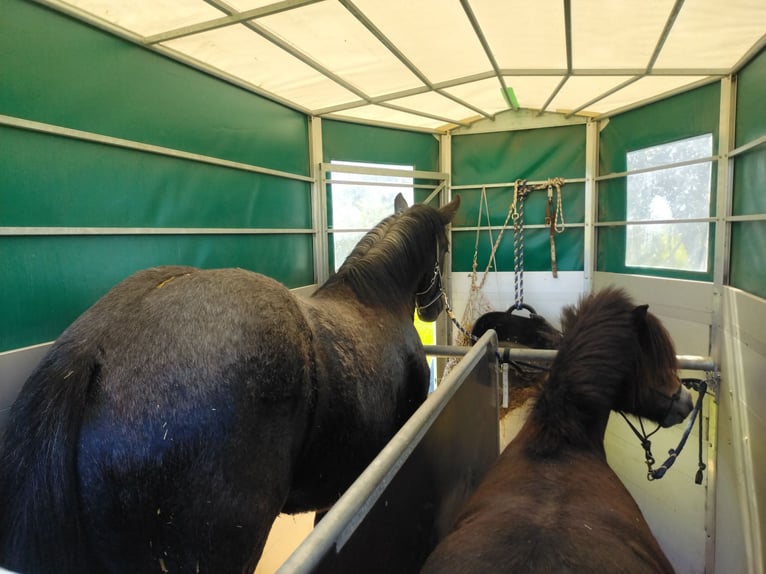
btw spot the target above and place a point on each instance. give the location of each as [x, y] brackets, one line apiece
[342, 519]
[691, 362]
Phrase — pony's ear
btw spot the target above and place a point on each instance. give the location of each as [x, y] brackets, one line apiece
[448, 211]
[400, 204]
[639, 314]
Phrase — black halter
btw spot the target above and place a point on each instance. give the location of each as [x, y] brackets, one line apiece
[437, 276]
[655, 474]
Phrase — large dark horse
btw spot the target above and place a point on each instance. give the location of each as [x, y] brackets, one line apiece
[551, 503]
[170, 424]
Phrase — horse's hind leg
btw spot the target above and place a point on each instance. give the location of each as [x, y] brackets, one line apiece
[204, 507]
[205, 525]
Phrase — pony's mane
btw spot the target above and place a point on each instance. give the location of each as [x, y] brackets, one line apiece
[599, 349]
[391, 256]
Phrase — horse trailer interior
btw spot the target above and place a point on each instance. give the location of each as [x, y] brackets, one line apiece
[603, 144]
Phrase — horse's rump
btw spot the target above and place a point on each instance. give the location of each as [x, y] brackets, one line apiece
[168, 378]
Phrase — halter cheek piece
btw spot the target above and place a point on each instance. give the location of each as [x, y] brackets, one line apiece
[437, 276]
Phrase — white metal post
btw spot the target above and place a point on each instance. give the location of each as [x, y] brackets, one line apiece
[721, 255]
[318, 202]
[591, 203]
[443, 325]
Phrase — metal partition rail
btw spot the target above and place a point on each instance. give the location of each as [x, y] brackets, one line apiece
[690, 362]
[319, 552]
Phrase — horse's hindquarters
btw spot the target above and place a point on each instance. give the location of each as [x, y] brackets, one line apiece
[193, 425]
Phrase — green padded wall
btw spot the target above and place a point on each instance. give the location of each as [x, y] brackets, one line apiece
[345, 141]
[685, 115]
[748, 238]
[75, 76]
[58, 182]
[48, 281]
[503, 157]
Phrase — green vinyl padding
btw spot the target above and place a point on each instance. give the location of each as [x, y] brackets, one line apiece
[51, 181]
[503, 157]
[59, 71]
[346, 141]
[48, 281]
[747, 269]
[534, 155]
[569, 251]
[751, 101]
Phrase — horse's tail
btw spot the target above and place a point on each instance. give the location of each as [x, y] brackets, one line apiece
[40, 523]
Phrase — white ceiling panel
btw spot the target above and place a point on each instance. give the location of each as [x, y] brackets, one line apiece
[339, 42]
[239, 51]
[642, 90]
[432, 103]
[608, 34]
[524, 35]
[579, 90]
[533, 91]
[435, 36]
[148, 17]
[243, 5]
[382, 114]
[713, 34]
[428, 63]
[485, 94]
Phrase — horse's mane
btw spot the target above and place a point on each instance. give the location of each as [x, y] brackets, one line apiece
[391, 256]
[599, 349]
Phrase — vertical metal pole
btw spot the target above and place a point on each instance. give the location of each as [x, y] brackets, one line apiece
[721, 256]
[591, 203]
[443, 325]
[318, 202]
[724, 185]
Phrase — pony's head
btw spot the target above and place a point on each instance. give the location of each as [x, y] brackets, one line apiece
[658, 393]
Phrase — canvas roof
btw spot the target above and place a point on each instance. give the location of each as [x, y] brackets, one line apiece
[442, 64]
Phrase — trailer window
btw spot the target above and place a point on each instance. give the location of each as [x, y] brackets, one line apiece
[363, 202]
[668, 208]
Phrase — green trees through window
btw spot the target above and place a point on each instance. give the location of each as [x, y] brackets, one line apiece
[658, 202]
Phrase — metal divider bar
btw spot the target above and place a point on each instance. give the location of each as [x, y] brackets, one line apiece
[690, 362]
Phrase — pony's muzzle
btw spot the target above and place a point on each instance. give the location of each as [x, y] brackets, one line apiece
[680, 407]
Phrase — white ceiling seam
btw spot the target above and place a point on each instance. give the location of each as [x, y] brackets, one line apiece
[440, 65]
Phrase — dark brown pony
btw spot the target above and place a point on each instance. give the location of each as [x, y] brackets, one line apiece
[551, 503]
[170, 424]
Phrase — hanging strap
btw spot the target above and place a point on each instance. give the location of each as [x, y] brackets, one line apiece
[550, 221]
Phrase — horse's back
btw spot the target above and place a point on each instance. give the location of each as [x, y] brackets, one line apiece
[540, 516]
